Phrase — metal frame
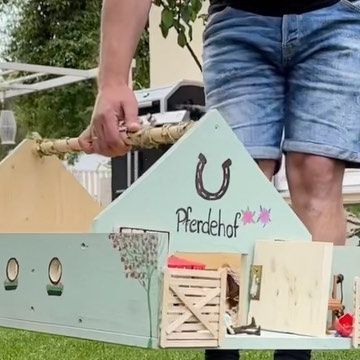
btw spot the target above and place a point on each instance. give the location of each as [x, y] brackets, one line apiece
[15, 77]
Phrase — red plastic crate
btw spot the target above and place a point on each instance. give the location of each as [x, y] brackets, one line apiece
[179, 263]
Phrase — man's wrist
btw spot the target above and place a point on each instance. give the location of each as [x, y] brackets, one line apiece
[113, 83]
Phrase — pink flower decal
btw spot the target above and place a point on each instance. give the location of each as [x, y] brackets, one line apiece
[248, 216]
[264, 216]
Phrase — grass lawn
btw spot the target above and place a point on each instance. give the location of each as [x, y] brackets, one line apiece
[22, 345]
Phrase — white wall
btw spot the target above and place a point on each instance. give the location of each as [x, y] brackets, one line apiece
[168, 61]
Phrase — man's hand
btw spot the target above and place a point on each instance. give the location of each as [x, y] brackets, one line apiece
[115, 114]
[116, 109]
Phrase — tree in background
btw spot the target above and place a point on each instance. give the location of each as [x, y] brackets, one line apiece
[66, 33]
[180, 16]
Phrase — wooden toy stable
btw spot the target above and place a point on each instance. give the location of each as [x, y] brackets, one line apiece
[72, 268]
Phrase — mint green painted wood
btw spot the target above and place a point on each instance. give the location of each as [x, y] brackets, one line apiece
[274, 341]
[80, 333]
[169, 185]
[97, 302]
[111, 308]
[160, 199]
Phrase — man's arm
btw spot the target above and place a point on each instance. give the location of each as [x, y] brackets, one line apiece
[122, 24]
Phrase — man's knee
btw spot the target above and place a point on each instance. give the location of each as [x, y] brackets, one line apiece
[313, 177]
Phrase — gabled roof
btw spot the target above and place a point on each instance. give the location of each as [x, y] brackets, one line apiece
[208, 194]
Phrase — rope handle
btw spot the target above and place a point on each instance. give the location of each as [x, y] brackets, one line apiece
[146, 138]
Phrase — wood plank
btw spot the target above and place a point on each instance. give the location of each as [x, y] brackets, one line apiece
[222, 306]
[181, 309]
[195, 326]
[164, 314]
[196, 309]
[188, 282]
[174, 300]
[295, 286]
[204, 274]
[191, 336]
[210, 318]
[38, 195]
[192, 344]
[186, 316]
[195, 291]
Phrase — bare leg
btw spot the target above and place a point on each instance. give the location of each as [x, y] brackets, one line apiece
[268, 167]
[315, 185]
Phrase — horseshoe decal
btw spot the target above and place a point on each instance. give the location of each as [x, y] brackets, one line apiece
[199, 183]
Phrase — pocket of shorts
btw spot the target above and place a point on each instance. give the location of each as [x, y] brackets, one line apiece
[352, 4]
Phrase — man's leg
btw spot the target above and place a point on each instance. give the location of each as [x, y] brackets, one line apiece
[268, 167]
[322, 116]
[315, 185]
[316, 191]
[292, 354]
[221, 355]
[322, 120]
[244, 81]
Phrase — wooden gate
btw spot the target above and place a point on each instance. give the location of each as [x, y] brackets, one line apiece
[193, 308]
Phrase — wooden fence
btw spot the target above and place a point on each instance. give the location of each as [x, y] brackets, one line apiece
[97, 183]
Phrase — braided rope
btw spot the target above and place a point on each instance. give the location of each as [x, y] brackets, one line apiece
[147, 138]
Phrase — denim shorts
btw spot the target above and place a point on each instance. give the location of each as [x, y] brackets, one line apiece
[287, 84]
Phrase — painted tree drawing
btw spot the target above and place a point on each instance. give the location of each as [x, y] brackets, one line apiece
[139, 256]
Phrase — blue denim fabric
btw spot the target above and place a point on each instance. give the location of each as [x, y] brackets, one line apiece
[288, 83]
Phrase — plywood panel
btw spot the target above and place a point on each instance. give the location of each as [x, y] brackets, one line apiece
[38, 195]
[295, 286]
[99, 300]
